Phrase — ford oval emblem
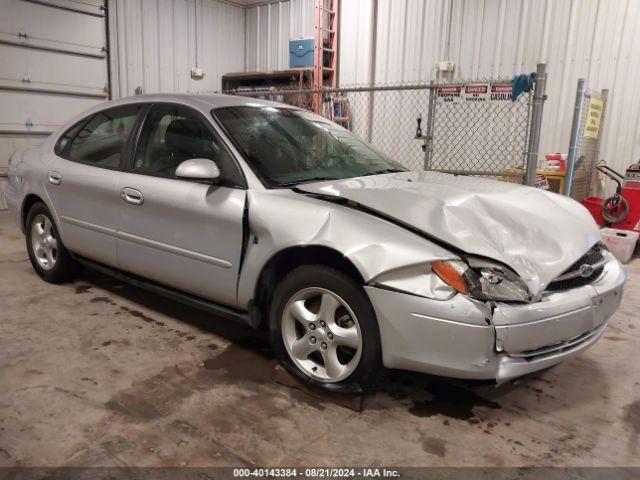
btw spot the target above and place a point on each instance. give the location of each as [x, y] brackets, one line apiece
[586, 270]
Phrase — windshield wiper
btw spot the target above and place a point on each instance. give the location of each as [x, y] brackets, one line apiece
[386, 170]
[305, 180]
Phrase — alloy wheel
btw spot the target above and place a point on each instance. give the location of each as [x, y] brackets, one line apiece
[44, 242]
[322, 335]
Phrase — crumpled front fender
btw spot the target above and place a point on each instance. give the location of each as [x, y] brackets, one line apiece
[280, 219]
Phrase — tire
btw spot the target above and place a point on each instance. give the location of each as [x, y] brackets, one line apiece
[315, 313]
[49, 258]
[615, 209]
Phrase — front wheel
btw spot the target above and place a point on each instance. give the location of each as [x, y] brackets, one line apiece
[324, 329]
[49, 258]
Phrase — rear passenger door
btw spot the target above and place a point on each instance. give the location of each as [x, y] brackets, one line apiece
[82, 181]
[182, 233]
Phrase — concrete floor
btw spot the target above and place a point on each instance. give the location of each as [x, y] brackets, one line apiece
[101, 373]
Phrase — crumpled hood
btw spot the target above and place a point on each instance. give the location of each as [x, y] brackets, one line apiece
[537, 233]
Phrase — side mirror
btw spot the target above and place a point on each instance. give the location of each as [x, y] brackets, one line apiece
[198, 169]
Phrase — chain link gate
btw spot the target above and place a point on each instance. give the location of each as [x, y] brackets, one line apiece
[584, 144]
[416, 125]
[488, 138]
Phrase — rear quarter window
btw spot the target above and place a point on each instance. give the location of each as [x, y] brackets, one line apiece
[67, 136]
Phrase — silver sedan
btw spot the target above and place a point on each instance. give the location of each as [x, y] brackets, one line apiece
[272, 216]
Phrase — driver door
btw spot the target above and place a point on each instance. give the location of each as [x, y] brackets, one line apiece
[181, 233]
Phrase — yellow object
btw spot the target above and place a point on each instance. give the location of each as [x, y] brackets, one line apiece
[554, 177]
[594, 114]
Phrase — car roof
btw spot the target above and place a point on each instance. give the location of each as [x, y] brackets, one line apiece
[203, 103]
[198, 101]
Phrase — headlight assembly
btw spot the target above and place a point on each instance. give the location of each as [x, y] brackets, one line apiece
[482, 280]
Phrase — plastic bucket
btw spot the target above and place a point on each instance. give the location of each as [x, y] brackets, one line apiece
[620, 242]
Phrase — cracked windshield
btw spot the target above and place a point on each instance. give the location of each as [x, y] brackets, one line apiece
[286, 147]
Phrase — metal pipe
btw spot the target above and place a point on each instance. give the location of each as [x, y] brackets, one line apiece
[108, 48]
[575, 135]
[337, 36]
[372, 66]
[257, 93]
[478, 172]
[447, 52]
[417, 86]
[536, 124]
[428, 144]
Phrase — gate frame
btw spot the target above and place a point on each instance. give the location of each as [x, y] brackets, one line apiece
[532, 142]
[576, 131]
[581, 92]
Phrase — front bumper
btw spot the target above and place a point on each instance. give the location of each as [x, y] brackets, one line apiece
[464, 338]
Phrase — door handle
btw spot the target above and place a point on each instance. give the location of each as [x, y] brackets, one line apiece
[54, 177]
[132, 196]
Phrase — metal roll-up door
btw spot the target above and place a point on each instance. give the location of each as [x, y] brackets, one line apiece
[53, 65]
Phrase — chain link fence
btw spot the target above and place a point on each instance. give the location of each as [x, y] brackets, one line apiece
[584, 145]
[468, 128]
[383, 116]
[482, 137]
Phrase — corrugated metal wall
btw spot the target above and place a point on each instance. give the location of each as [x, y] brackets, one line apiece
[595, 39]
[52, 66]
[269, 28]
[354, 39]
[155, 43]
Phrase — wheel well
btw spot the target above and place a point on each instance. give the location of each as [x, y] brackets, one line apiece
[26, 206]
[287, 260]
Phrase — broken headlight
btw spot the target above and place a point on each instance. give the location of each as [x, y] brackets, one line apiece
[483, 280]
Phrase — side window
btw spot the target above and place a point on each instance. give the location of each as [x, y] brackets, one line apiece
[101, 141]
[63, 141]
[172, 134]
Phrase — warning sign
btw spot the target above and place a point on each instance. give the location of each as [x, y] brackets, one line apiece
[476, 93]
[594, 114]
[450, 94]
[501, 92]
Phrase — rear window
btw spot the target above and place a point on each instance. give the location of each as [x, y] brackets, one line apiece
[101, 140]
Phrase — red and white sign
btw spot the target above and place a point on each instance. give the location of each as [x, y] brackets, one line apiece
[476, 92]
[450, 94]
[501, 92]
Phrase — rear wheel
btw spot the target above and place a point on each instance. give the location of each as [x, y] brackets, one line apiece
[49, 258]
[324, 329]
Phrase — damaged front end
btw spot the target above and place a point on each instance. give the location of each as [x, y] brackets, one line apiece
[441, 310]
[537, 234]
[482, 332]
[562, 323]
